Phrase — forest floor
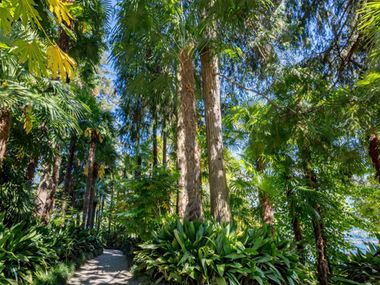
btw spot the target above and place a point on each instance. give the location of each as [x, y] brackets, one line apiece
[109, 268]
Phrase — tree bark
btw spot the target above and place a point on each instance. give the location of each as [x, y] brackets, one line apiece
[296, 226]
[164, 144]
[155, 146]
[31, 169]
[43, 188]
[92, 202]
[323, 267]
[265, 203]
[374, 153]
[5, 125]
[220, 202]
[89, 184]
[67, 185]
[51, 197]
[191, 181]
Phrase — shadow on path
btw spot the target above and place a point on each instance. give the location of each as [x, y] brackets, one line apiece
[109, 268]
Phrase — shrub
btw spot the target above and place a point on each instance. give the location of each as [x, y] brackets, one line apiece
[205, 253]
[23, 252]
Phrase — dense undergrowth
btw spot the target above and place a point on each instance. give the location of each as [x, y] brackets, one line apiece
[34, 254]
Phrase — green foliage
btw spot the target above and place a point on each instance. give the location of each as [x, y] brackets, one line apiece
[27, 250]
[206, 253]
[146, 200]
[362, 267]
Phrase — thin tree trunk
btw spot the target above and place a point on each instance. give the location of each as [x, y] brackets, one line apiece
[89, 184]
[374, 153]
[67, 184]
[5, 125]
[111, 207]
[296, 226]
[51, 197]
[155, 147]
[265, 203]
[323, 267]
[164, 144]
[31, 169]
[43, 188]
[219, 195]
[100, 213]
[92, 202]
[192, 171]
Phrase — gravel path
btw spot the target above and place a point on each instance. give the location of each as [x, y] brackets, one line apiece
[108, 268]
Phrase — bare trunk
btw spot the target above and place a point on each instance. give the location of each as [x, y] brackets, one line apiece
[92, 202]
[43, 188]
[31, 169]
[164, 145]
[51, 197]
[111, 207]
[188, 138]
[318, 227]
[374, 153]
[5, 125]
[296, 226]
[265, 203]
[155, 147]
[89, 184]
[220, 202]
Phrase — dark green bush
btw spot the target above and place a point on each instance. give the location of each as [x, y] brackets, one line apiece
[206, 253]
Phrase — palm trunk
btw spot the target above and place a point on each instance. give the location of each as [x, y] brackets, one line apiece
[296, 226]
[67, 184]
[265, 203]
[89, 184]
[31, 169]
[164, 145]
[111, 207]
[155, 147]
[318, 227]
[189, 154]
[92, 202]
[51, 197]
[374, 153]
[43, 188]
[220, 202]
[5, 125]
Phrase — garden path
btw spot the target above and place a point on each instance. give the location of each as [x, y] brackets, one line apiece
[109, 268]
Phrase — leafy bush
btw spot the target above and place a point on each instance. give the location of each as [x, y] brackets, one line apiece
[23, 252]
[27, 250]
[362, 267]
[205, 253]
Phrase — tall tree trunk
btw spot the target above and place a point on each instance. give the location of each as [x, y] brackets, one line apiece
[31, 169]
[51, 197]
[265, 203]
[296, 225]
[189, 155]
[43, 189]
[5, 125]
[67, 184]
[111, 207]
[92, 202]
[155, 146]
[319, 235]
[164, 144]
[374, 153]
[90, 176]
[220, 202]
